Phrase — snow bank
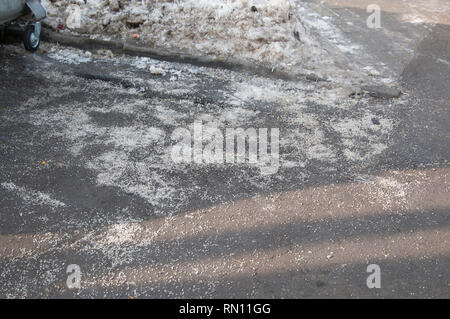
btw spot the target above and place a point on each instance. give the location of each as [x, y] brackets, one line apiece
[263, 31]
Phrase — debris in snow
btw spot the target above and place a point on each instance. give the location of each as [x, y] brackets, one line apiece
[106, 53]
[156, 71]
[70, 56]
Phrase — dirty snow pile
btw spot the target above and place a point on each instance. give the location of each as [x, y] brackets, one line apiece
[262, 31]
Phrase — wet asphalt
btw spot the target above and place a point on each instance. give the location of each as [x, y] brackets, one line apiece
[73, 190]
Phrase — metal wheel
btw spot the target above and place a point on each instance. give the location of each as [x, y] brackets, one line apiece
[31, 37]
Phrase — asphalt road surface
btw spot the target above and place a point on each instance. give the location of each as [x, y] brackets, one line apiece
[87, 175]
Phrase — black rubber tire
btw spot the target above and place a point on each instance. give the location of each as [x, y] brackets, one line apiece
[27, 39]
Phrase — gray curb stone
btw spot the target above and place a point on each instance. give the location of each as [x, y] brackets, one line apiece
[121, 47]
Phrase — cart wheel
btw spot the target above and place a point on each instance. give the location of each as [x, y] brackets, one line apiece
[30, 40]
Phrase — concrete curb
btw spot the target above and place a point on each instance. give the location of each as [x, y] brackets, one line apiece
[122, 47]
[382, 92]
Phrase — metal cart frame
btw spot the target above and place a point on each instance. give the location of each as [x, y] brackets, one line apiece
[11, 10]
